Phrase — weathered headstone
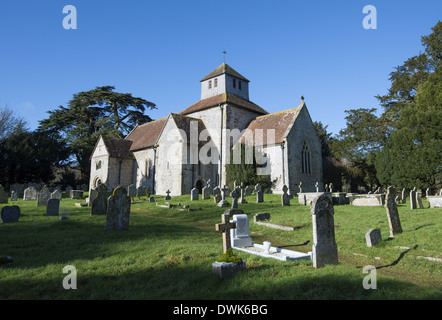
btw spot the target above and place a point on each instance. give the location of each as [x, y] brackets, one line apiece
[259, 196]
[43, 196]
[242, 191]
[205, 193]
[404, 196]
[194, 194]
[76, 194]
[56, 195]
[240, 236]
[216, 190]
[141, 191]
[225, 228]
[3, 195]
[10, 214]
[18, 188]
[151, 199]
[261, 216]
[167, 197]
[132, 191]
[392, 212]
[14, 196]
[223, 202]
[373, 237]
[118, 211]
[30, 193]
[324, 250]
[53, 207]
[99, 203]
[235, 195]
[285, 198]
[247, 191]
[419, 203]
[413, 204]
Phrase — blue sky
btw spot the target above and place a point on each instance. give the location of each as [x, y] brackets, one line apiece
[160, 50]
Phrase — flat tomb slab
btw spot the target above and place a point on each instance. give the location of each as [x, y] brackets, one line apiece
[367, 200]
[275, 253]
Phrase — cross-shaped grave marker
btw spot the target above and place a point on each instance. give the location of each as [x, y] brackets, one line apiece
[225, 228]
[168, 196]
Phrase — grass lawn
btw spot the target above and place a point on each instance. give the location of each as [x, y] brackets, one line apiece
[168, 254]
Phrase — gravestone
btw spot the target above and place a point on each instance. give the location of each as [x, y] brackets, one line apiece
[141, 191]
[235, 196]
[53, 207]
[3, 195]
[217, 198]
[18, 188]
[194, 194]
[99, 203]
[373, 237]
[43, 196]
[419, 203]
[392, 212]
[10, 214]
[56, 195]
[132, 191]
[14, 196]
[76, 194]
[93, 193]
[285, 198]
[247, 191]
[240, 236]
[261, 216]
[331, 187]
[317, 186]
[300, 187]
[404, 196]
[30, 194]
[223, 202]
[68, 190]
[242, 192]
[259, 194]
[151, 199]
[216, 191]
[324, 250]
[118, 211]
[225, 226]
[413, 204]
[167, 197]
[205, 193]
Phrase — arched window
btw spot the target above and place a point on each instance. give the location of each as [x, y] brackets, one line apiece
[98, 165]
[306, 159]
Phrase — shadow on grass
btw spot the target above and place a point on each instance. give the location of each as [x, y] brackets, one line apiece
[183, 282]
[401, 256]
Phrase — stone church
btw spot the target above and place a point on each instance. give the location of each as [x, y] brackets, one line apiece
[184, 150]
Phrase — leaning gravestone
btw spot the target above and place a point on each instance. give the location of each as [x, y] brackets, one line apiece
[373, 237]
[3, 195]
[419, 203]
[30, 194]
[43, 196]
[99, 203]
[194, 194]
[325, 250]
[53, 207]
[118, 211]
[392, 212]
[404, 196]
[10, 214]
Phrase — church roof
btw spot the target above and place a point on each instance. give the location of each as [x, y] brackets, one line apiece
[184, 123]
[281, 122]
[118, 148]
[223, 98]
[146, 135]
[224, 69]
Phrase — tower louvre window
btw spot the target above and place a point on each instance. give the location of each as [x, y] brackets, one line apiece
[210, 84]
[239, 85]
[234, 83]
[215, 83]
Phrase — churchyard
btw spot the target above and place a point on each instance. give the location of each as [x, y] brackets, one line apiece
[167, 252]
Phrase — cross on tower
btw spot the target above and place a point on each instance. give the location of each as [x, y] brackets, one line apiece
[225, 227]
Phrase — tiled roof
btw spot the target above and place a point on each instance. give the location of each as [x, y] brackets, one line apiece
[118, 148]
[146, 135]
[223, 98]
[281, 122]
[224, 69]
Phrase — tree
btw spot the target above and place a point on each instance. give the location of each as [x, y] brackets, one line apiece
[413, 155]
[407, 78]
[89, 114]
[356, 145]
[9, 121]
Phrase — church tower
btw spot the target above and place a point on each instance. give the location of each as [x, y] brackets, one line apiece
[224, 79]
